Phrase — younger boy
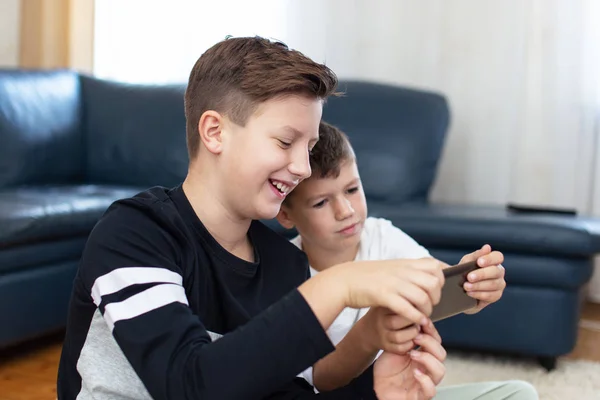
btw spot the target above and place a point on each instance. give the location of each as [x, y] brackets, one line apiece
[329, 211]
[182, 294]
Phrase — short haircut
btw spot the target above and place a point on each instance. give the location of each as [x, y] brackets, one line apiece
[237, 74]
[330, 152]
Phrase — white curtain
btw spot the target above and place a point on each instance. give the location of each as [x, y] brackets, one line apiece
[521, 76]
[10, 14]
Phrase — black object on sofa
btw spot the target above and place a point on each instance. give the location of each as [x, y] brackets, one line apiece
[70, 145]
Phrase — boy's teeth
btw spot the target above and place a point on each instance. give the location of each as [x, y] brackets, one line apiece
[282, 188]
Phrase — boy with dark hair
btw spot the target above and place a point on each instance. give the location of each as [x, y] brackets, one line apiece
[329, 211]
[182, 294]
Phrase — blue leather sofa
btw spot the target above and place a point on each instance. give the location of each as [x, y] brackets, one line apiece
[72, 144]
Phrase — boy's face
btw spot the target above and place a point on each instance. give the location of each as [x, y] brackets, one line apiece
[268, 157]
[329, 213]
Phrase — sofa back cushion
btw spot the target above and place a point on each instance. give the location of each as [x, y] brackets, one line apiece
[40, 127]
[134, 134]
[397, 133]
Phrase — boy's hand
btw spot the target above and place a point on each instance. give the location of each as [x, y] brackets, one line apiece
[486, 284]
[411, 376]
[387, 331]
[409, 288]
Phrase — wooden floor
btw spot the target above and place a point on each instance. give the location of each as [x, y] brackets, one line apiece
[588, 342]
[28, 372]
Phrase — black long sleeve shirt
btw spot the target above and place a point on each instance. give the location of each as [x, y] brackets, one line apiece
[160, 310]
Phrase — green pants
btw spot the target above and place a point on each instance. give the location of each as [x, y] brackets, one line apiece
[506, 390]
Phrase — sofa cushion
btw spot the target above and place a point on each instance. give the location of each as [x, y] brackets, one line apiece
[539, 321]
[135, 134]
[50, 213]
[32, 255]
[397, 134]
[35, 301]
[470, 226]
[40, 127]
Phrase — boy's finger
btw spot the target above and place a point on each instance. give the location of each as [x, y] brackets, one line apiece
[432, 266]
[416, 296]
[399, 305]
[397, 322]
[430, 329]
[490, 285]
[429, 365]
[489, 297]
[430, 283]
[403, 335]
[493, 258]
[485, 249]
[426, 383]
[482, 274]
[431, 346]
[399, 348]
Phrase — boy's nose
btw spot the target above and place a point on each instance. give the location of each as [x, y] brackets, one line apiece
[344, 209]
[300, 165]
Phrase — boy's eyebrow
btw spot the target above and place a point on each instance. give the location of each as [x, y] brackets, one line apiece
[313, 198]
[296, 132]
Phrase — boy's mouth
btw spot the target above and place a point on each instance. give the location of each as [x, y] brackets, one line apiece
[350, 229]
[280, 186]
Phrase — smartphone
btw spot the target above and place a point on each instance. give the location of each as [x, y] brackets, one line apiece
[454, 298]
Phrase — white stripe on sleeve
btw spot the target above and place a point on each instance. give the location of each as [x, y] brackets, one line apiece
[123, 277]
[143, 302]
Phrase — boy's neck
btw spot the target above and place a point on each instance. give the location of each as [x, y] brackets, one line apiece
[320, 259]
[230, 232]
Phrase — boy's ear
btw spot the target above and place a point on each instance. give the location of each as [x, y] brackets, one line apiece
[284, 217]
[210, 128]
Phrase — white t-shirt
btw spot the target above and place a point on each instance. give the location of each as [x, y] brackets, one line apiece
[380, 240]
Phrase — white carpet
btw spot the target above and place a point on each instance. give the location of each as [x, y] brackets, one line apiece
[572, 379]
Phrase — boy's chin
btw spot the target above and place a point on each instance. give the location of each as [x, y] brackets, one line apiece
[266, 206]
[266, 211]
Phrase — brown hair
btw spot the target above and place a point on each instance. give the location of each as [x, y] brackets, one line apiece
[237, 74]
[332, 149]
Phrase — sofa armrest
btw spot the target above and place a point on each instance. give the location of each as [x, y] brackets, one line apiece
[471, 226]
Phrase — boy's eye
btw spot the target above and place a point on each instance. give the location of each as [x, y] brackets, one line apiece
[353, 190]
[319, 204]
[284, 143]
